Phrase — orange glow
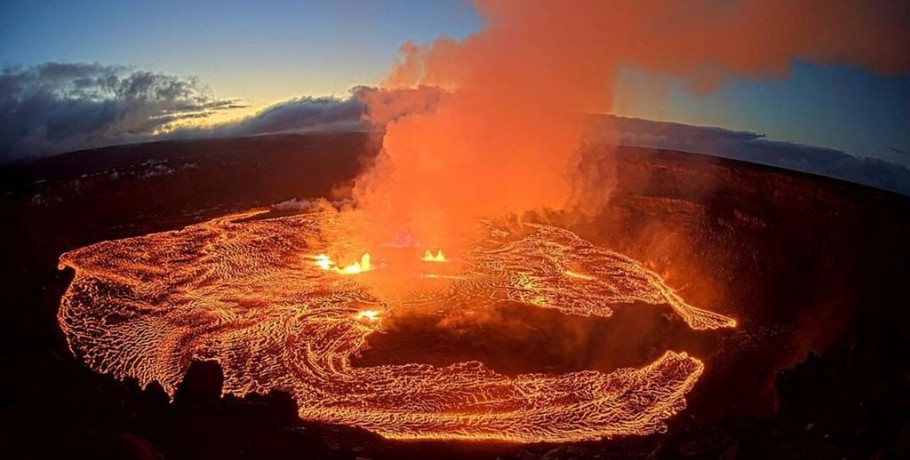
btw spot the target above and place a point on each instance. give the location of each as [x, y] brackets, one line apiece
[572, 274]
[370, 315]
[357, 267]
[429, 257]
[324, 262]
[140, 307]
[364, 265]
[489, 125]
[437, 276]
[476, 128]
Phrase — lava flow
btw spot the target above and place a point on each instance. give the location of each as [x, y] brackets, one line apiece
[261, 297]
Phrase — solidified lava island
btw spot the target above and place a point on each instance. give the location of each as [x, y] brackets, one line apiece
[261, 296]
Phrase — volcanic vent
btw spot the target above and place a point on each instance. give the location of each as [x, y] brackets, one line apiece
[257, 295]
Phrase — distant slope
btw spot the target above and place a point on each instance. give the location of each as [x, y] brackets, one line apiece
[280, 158]
[750, 147]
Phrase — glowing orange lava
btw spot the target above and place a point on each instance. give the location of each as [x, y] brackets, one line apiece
[578, 275]
[370, 315]
[430, 257]
[260, 296]
[326, 263]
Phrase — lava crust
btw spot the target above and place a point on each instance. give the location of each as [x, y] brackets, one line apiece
[244, 291]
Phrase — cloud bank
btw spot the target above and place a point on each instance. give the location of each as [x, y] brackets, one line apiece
[57, 107]
[365, 108]
[303, 114]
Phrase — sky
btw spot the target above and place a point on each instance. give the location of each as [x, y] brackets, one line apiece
[263, 54]
[260, 52]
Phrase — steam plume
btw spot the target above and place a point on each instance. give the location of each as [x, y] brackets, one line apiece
[503, 136]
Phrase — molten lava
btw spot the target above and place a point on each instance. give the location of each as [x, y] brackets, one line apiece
[370, 315]
[429, 257]
[578, 275]
[364, 265]
[260, 297]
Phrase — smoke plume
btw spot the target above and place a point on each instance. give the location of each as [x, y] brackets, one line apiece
[504, 133]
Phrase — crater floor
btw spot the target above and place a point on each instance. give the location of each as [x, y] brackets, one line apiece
[245, 291]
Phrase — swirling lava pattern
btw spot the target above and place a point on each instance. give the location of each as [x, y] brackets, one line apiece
[245, 291]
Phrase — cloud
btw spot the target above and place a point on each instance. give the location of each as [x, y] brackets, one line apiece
[365, 108]
[57, 107]
[296, 115]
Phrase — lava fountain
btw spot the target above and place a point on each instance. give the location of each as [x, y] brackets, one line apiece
[262, 297]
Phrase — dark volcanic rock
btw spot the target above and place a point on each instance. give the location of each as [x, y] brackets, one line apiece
[201, 386]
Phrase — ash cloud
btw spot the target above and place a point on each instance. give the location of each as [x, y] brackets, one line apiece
[57, 107]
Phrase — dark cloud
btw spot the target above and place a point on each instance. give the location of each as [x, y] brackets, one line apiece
[310, 113]
[57, 107]
[364, 108]
[302, 114]
[751, 147]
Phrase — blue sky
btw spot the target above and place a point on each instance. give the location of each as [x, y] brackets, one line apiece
[267, 53]
[261, 52]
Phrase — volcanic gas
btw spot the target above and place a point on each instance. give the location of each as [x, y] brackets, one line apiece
[264, 297]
